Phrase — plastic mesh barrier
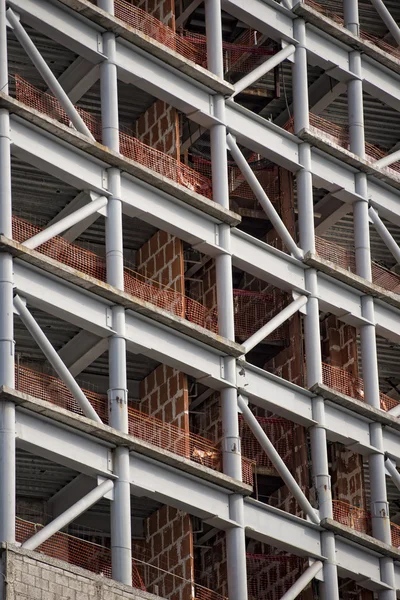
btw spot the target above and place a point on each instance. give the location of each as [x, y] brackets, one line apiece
[270, 576]
[97, 559]
[242, 55]
[238, 186]
[135, 284]
[75, 551]
[351, 516]
[49, 105]
[347, 260]
[130, 147]
[344, 382]
[251, 311]
[51, 389]
[145, 427]
[279, 431]
[339, 135]
[363, 34]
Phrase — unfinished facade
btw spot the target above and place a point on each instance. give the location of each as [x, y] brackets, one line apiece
[199, 299]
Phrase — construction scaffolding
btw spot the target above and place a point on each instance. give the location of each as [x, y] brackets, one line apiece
[176, 184]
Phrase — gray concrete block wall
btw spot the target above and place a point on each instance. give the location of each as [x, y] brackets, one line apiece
[34, 576]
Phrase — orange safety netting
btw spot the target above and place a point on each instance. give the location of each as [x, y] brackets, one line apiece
[360, 520]
[251, 311]
[75, 551]
[280, 433]
[395, 51]
[344, 382]
[270, 576]
[346, 259]
[267, 176]
[145, 427]
[339, 135]
[242, 55]
[153, 578]
[351, 516]
[130, 147]
[135, 284]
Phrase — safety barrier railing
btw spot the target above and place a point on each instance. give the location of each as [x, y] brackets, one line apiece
[239, 189]
[270, 576]
[328, 12]
[93, 557]
[352, 516]
[130, 147]
[243, 54]
[360, 520]
[252, 310]
[279, 431]
[346, 259]
[135, 284]
[145, 427]
[339, 135]
[344, 382]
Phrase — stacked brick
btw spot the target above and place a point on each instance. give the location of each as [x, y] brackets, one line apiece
[169, 544]
[159, 127]
[164, 395]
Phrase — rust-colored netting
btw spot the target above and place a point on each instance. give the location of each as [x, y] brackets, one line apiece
[252, 310]
[97, 559]
[240, 56]
[346, 259]
[360, 520]
[135, 284]
[352, 516]
[130, 147]
[75, 551]
[145, 427]
[339, 135]
[49, 105]
[395, 51]
[239, 189]
[270, 576]
[51, 389]
[279, 431]
[344, 382]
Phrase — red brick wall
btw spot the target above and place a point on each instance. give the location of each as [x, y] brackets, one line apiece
[169, 543]
[339, 348]
[164, 394]
[161, 260]
[212, 566]
[158, 127]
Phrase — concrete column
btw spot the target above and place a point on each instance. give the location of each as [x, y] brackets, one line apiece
[235, 537]
[7, 409]
[379, 503]
[329, 587]
[121, 537]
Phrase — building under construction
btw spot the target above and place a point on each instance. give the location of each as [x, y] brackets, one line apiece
[199, 299]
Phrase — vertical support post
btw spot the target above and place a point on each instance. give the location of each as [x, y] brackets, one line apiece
[329, 587]
[232, 463]
[121, 537]
[7, 409]
[369, 359]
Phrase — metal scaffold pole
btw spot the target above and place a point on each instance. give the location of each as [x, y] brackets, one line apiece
[7, 409]
[329, 587]
[232, 463]
[121, 539]
[369, 358]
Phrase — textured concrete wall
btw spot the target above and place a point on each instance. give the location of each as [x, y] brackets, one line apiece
[33, 576]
